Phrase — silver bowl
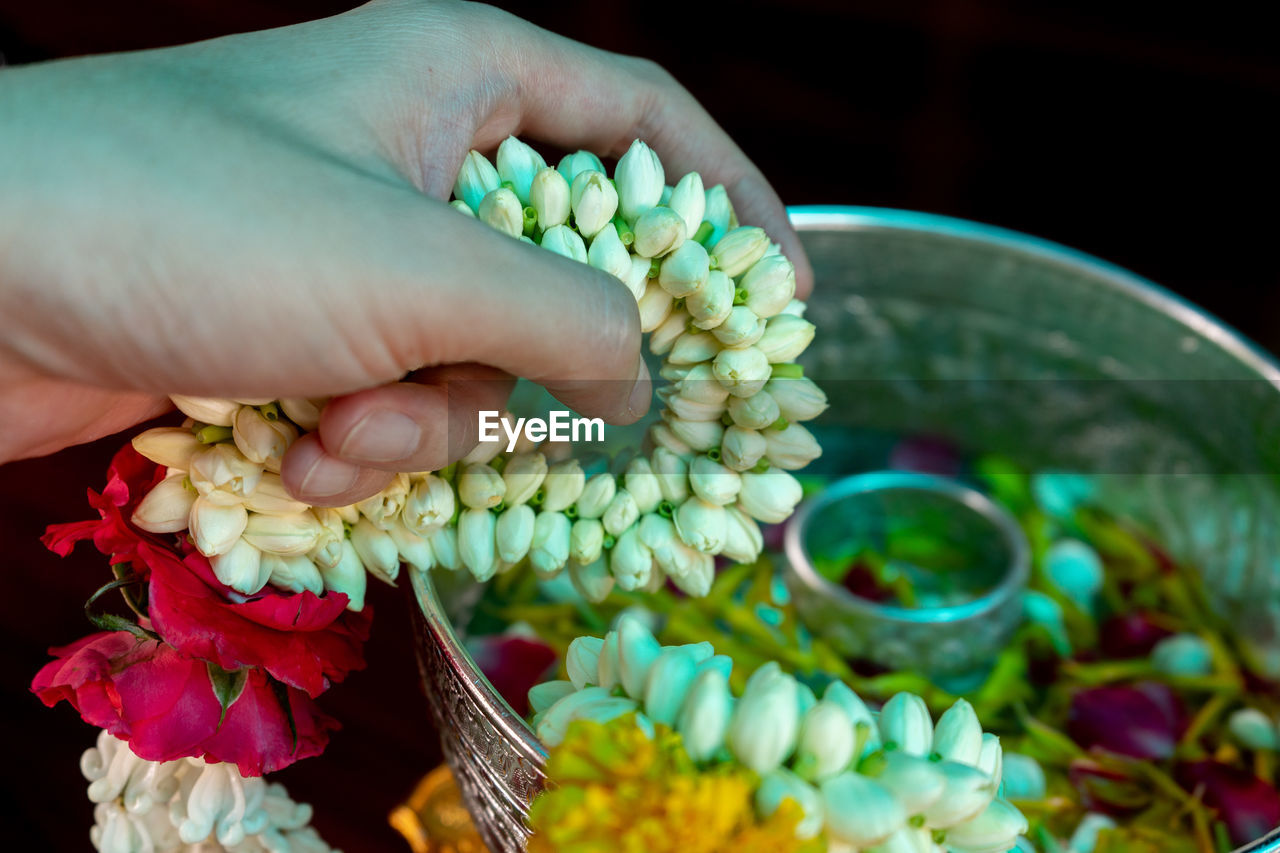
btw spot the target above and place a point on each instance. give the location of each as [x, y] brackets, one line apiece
[997, 340]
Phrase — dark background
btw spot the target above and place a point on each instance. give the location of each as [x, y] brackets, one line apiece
[1140, 132]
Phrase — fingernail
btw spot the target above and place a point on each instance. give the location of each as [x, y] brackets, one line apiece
[382, 435]
[641, 392]
[328, 476]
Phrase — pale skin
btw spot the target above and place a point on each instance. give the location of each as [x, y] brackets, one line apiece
[264, 215]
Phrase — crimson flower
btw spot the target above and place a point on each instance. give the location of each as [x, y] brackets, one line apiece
[513, 664]
[1248, 806]
[1144, 720]
[303, 640]
[165, 705]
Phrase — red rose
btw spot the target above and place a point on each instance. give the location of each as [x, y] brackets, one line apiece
[164, 704]
[130, 476]
[303, 640]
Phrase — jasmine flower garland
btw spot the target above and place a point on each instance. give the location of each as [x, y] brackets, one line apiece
[716, 300]
[893, 780]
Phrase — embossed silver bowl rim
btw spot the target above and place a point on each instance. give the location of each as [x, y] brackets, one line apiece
[1011, 582]
[489, 794]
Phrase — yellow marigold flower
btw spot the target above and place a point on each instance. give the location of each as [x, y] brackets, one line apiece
[613, 788]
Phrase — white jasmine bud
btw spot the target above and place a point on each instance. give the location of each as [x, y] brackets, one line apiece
[742, 328]
[303, 411]
[916, 781]
[549, 197]
[171, 447]
[480, 487]
[240, 567]
[792, 447]
[216, 528]
[328, 549]
[758, 411]
[762, 732]
[664, 337]
[700, 384]
[967, 793]
[549, 550]
[414, 549]
[689, 199]
[571, 165]
[222, 474]
[711, 304]
[630, 561]
[260, 440]
[785, 337]
[685, 270]
[826, 742]
[518, 163]
[713, 482]
[703, 721]
[672, 473]
[1252, 728]
[586, 540]
[621, 513]
[167, 507]
[594, 201]
[694, 348]
[607, 253]
[770, 496]
[1022, 778]
[271, 498]
[207, 410]
[593, 581]
[699, 435]
[958, 734]
[596, 495]
[860, 811]
[444, 545]
[563, 485]
[461, 206]
[501, 209]
[738, 251]
[295, 574]
[377, 550]
[384, 508]
[429, 504]
[564, 241]
[690, 410]
[523, 476]
[347, 576]
[640, 180]
[743, 540]
[906, 724]
[667, 683]
[582, 661]
[1182, 654]
[637, 652]
[637, 279]
[798, 399]
[863, 723]
[742, 448]
[659, 231]
[659, 535]
[991, 758]
[643, 484]
[697, 578]
[663, 437]
[795, 308]
[996, 828]
[701, 525]
[476, 179]
[514, 532]
[743, 372]
[718, 210]
[769, 284]
[476, 542]
[543, 696]
[590, 703]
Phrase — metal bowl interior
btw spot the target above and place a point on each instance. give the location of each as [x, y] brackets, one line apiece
[992, 340]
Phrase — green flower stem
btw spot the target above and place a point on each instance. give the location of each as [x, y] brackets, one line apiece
[787, 371]
[1202, 722]
[210, 434]
[530, 221]
[270, 411]
[703, 234]
[625, 234]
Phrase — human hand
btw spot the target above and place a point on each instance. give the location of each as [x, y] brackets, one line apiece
[261, 215]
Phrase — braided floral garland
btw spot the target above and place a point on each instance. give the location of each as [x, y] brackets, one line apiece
[724, 318]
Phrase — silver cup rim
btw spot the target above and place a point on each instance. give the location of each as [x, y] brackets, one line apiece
[1012, 582]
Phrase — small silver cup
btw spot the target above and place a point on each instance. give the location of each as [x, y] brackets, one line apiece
[966, 614]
